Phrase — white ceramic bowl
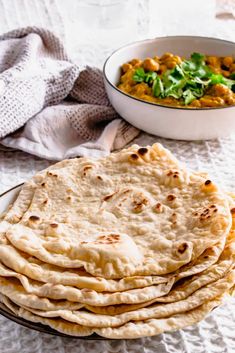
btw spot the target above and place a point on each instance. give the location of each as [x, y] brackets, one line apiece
[170, 122]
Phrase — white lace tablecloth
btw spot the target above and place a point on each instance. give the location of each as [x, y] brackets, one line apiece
[215, 334]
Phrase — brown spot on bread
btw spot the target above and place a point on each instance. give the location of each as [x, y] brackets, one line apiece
[134, 156]
[52, 174]
[69, 198]
[34, 218]
[173, 219]
[108, 239]
[232, 211]
[207, 213]
[175, 174]
[139, 203]
[107, 197]
[126, 191]
[53, 225]
[43, 184]
[209, 187]
[45, 202]
[182, 248]
[87, 167]
[138, 208]
[158, 207]
[170, 173]
[99, 177]
[208, 182]
[142, 151]
[212, 206]
[171, 197]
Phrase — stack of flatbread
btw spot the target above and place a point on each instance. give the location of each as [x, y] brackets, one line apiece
[127, 246]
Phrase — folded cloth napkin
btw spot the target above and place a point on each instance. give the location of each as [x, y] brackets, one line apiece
[49, 106]
[225, 9]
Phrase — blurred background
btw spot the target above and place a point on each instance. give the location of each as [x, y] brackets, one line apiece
[92, 29]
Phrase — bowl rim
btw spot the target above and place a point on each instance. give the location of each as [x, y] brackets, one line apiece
[135, 43]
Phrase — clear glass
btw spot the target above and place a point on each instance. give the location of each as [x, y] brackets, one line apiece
[106, 24]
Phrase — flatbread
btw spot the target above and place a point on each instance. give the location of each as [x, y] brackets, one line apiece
[103, 208]
[128, 246]
[138, 329]
[24, 290]
[156, 311]
[14, 290]
[21, 263]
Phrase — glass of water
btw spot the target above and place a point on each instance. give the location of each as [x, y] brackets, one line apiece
[105, 24]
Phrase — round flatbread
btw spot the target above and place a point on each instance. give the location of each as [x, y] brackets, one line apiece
[136, 212]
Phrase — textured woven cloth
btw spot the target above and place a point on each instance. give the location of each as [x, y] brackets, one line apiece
[36, 76]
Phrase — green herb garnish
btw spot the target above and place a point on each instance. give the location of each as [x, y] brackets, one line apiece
[187, 81]
[158, 88]
[141, 76]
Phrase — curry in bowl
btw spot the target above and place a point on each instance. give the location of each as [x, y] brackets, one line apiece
[199, 82]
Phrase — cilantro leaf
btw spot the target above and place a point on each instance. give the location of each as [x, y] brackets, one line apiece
[197, 58]
[158, 89]
[188, 66]
[220, 79]
[139, 75]
[150, 76]
[188, 96]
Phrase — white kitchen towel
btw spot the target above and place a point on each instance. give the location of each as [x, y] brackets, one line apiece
[48, 106]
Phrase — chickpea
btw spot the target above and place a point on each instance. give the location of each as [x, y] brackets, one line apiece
[139, 64]
[169, 100]
[177, 59]
[232, 68]
[211, 101]
[162, 68]
[150, 65]
[206, 102]
[227, 61]
[126, 67]
[225, 73]
[213, 61]
[171, 63]
[156, 58]
[230, 99]
[140, 89]
[128, 77]
[135, 62]
[214, 69]
[125, 87]
[218, 101]
[220, 89]
[195, 104]
[166, 56]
